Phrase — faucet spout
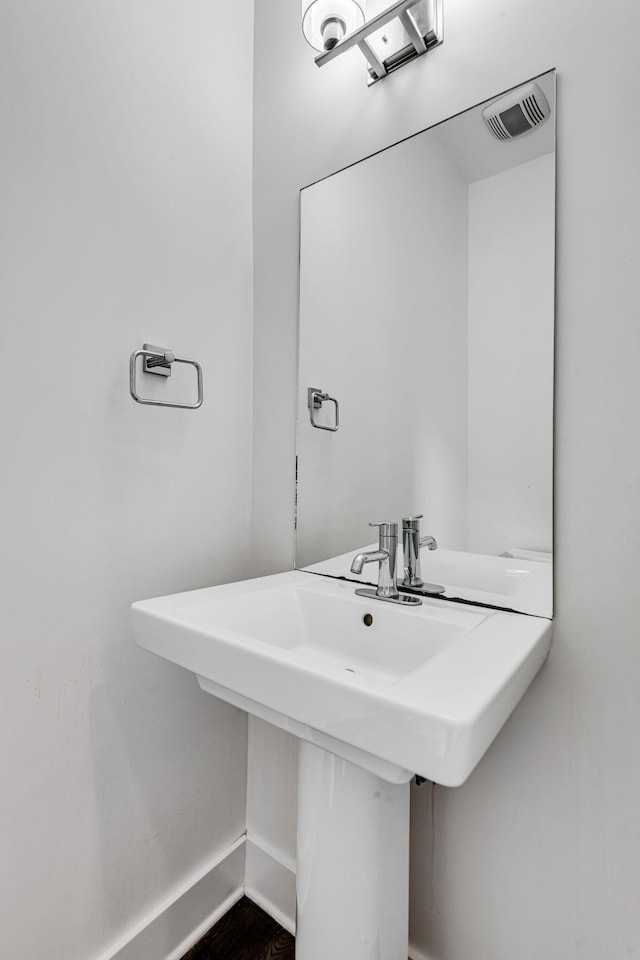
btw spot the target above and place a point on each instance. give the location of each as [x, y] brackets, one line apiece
[360, 559]
[429, 542]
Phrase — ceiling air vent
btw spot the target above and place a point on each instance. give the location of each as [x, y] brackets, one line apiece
[517, 112]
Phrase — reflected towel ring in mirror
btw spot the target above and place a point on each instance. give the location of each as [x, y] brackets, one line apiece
[315, 399]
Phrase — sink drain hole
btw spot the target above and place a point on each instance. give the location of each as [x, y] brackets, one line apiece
[367, 619]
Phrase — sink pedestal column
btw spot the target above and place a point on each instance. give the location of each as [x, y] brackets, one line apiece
[352, 879]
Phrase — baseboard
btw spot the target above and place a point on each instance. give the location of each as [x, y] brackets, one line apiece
[248, 866]
[179, 921]
[270, 881]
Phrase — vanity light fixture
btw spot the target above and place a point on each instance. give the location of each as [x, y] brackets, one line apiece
[392, 36]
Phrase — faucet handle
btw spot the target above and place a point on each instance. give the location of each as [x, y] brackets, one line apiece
[412, 523]
[411, 527]
[385, 529]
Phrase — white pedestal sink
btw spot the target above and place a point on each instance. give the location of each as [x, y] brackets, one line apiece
[375, 693]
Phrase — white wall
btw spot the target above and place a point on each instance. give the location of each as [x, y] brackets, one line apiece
[538, 854]
[511, 291]
[383, 307]
[125, 190]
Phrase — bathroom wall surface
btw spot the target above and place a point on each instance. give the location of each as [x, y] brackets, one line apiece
[538, 854]
[511, 291]
[125, 190]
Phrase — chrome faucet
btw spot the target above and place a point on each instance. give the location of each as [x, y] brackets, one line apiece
[411, 544]
[385, 556]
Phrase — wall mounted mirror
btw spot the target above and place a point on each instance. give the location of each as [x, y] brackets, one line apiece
[426, 336]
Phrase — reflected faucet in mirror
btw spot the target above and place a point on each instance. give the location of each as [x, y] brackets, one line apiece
[412, 542]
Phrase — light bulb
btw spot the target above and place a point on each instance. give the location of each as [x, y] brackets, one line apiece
[326, 22]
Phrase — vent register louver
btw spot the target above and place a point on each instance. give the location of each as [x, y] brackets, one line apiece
[517, 112]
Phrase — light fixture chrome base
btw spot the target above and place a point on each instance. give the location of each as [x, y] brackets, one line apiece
[402, 598]
[397, 35]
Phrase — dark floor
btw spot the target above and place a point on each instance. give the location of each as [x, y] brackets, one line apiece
[244, 933]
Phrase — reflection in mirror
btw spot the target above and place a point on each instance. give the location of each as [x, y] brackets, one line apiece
[426, 314]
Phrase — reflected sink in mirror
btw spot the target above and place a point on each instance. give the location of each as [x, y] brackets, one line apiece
[393, 690]
[519, 584]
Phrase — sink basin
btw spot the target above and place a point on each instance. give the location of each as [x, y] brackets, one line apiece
[419, 690]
